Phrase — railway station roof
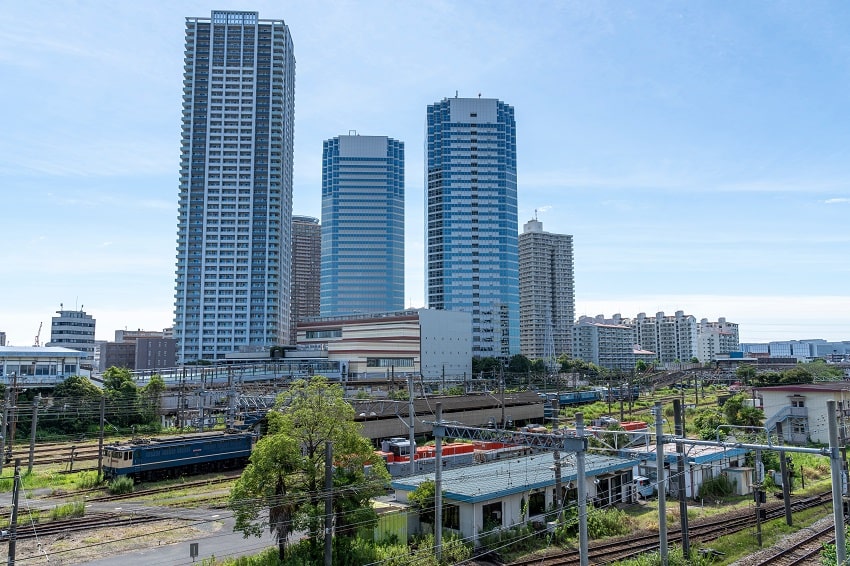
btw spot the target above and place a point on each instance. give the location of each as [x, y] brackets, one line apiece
[493, 480]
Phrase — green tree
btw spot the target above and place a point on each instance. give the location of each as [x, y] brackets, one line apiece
[423, 498]
[269, 481]
[740, 414]
[799, 374]
[77, 387]
[75, 407]
[745, 373]
[150, 399]
[706, 422]
[487, 365]
[306, 417]
[122, 395]
[519, 364]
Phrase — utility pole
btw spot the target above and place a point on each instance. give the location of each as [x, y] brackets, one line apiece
[680, 471]
[835, 462]
[759, 495]
[329, 505]
[842, 441]
[662, 495]
[13, 523]
[35, 404]
[581, 485]
[100, 436]
[438, 489]
[14, 407]
[411, 412]
[502, 392]
[201, 395]
[783, 469]
[556, 408]
[5, 430]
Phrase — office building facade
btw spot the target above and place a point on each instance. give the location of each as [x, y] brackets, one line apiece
[362, 225]
[73, 329]
[471, 222]
[235, 206]
[546, 292]
[306, 270]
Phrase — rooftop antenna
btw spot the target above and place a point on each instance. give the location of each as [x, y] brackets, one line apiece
[535, 214]
[455, 94]
[479, 95]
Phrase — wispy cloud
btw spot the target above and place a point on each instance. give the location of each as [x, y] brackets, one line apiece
[837, 201]
[661, 182]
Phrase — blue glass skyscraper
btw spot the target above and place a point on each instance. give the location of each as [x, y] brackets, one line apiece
[472, 262]
[235, 207]
[362, 225]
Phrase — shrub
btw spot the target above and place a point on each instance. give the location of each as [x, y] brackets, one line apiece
[87, 480]
[603, 523]
[75, 508]
[121, 485]
[720, 486]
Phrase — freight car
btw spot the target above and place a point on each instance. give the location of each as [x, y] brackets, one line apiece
[158, 459]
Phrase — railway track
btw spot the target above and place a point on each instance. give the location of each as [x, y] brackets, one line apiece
[804, 551]
[608, 552]
[65, 526]
[157, 490]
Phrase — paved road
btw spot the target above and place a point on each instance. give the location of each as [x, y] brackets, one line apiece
[222, 543]
[217, 539]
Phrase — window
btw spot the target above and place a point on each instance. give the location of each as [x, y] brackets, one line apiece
[491, 515]
[537, 503]
[451, 517]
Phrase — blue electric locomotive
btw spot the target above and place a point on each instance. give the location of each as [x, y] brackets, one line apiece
[174, 457]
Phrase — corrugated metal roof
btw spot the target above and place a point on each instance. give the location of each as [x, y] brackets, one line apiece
[493, 480]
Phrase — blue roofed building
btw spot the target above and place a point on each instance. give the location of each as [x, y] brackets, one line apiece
[505, 493]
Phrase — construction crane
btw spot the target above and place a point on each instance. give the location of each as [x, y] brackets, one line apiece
[37, 342]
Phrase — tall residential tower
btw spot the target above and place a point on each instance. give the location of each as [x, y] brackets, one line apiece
[472, 219]
[546, 292]
[306, 270]
[362, 225]
[234, 219]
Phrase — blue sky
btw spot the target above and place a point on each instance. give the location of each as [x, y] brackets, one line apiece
[698, 152]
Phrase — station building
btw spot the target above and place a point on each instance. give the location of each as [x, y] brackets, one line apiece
[31, 366]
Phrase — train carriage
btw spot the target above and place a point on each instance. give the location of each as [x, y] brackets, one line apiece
[173, 457]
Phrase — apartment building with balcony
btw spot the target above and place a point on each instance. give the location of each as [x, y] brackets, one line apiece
[546, 292]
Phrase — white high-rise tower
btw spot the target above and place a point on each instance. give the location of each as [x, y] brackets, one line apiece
[234, 224]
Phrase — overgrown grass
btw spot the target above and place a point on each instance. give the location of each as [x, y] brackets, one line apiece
[76, 508]
[675, 558]
[121, 485]
[87, 480]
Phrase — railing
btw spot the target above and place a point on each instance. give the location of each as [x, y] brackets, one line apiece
[784, 413]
